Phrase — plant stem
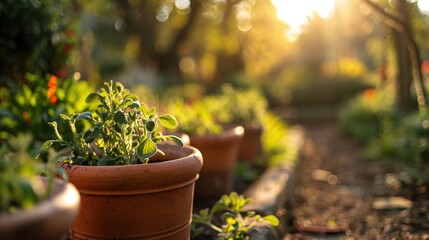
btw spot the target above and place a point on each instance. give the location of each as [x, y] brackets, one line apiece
[124, 145]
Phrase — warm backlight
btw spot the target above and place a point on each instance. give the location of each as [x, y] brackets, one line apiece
[296, 12]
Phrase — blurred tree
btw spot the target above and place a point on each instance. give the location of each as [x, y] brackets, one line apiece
[407, 53]
[35, 36]
[312, 44]
[206, 40]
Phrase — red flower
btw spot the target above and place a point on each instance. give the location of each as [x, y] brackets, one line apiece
[369, 93]
[26, 117]
[53, 81]
[425, 67]
[53, 100]
[52, 89]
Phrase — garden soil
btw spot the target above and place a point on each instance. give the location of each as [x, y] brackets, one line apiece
[341, 194]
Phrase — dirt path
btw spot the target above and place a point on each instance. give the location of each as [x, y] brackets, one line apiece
[340, 193]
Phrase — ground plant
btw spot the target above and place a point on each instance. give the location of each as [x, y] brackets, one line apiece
[20, 185]
[235, 222]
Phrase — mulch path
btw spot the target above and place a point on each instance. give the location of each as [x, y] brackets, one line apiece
[338, 188]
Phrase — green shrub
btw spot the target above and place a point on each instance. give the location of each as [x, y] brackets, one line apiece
[28, 109]
[276, 145]
[196, 118]
[20, 185]
[239, 106]
[362, 116]
[36, 36]
[399, 140]
[404, 143]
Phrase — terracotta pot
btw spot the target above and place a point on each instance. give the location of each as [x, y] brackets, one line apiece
[220, 155]
[49, 219]
[144, 201]
[251, 145]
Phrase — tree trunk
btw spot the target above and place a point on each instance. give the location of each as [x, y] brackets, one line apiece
[403, 62]
[228, 63]
[401, 22]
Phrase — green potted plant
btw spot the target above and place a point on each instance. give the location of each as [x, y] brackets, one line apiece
[246, 108]
[31, 206]
[132, 186]
[218, 145]
[227, 219]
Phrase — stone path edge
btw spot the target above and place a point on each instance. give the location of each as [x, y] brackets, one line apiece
[274, 191]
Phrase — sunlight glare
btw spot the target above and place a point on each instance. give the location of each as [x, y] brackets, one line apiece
[296, 13]
[423, 5]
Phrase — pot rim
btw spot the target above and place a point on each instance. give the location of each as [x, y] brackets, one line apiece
[227, 133]
[139, 178]
[64, 197]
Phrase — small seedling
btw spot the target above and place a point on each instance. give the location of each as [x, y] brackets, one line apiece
[236, 223]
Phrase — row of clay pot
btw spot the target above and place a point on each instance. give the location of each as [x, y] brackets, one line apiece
[221, 153]
[145, 201]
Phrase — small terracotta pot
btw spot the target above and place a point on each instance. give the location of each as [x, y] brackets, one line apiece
[220, 155]
[48, 220]
[143, 201]
[251, 145]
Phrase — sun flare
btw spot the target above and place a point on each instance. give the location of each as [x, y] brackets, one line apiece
[296, 13]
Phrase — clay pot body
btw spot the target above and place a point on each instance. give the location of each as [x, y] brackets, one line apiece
[220, 155]
[251, 145]
[143, 201]
[48, 220]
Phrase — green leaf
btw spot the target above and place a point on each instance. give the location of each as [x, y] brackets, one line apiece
[117, 128]
[64, 117]
[144, 108]
[53, 124]
[85, 115]
[218, 207]
[151, 111]
[178, 141]
[120, 117]
[46, 145]
[146, 149]
[272, 220]
[168, 121]
[150, 125]
[135, 104]
[119, 87]
[92, 97]
[92, 135]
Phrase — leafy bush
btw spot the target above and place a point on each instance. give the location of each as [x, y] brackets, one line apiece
[276, 146]
[195, 118]
[404, 143]
[398, 139]
[29, 108]
[301, 86]
[239, 105]
[35, 37]
[20, 187]
[362, 116]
